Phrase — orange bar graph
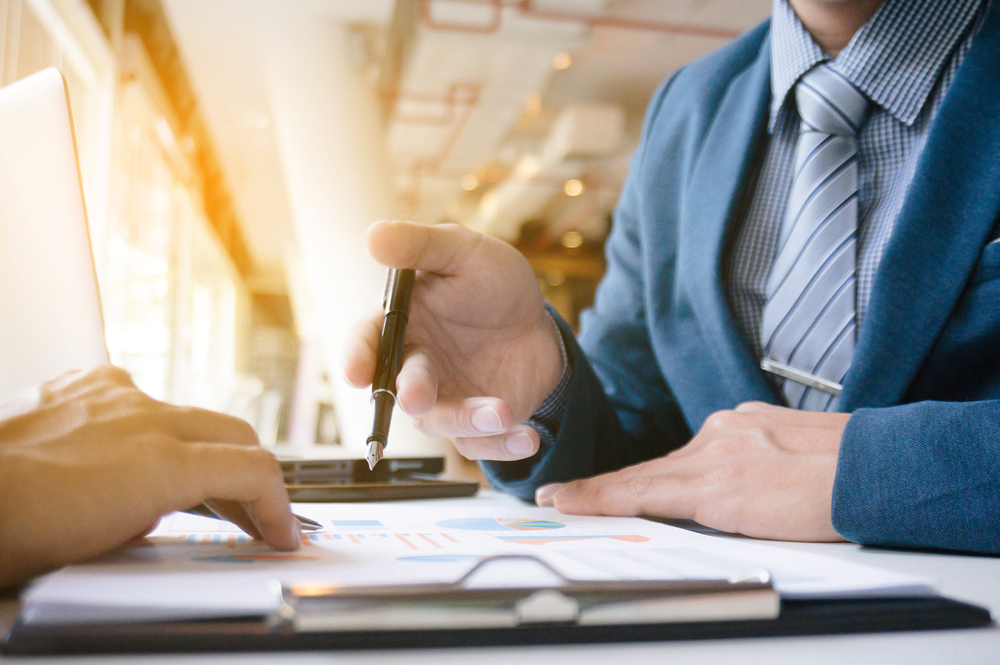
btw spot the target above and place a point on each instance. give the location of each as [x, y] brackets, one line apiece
[428, 539]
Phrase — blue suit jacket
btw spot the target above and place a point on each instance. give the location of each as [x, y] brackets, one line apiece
[919, 462]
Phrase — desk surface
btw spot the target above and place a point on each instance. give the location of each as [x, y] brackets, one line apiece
[969, 578]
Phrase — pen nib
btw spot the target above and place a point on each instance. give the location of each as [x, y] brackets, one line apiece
[374, 454]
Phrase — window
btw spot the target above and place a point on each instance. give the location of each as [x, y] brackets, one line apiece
[172, 299]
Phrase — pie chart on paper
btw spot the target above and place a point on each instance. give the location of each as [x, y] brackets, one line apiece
[499, 524]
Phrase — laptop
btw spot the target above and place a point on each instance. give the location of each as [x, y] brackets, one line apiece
[50, 307]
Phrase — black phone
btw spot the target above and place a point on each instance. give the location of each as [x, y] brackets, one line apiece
[350, 480]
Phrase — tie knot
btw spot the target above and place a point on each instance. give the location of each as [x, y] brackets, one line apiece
[829, 103]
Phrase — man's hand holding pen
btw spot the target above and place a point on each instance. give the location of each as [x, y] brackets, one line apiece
[481, 352]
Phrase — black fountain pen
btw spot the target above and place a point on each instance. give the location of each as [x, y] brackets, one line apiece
[396, 302]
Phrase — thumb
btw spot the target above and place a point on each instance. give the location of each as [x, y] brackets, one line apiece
[436, 249]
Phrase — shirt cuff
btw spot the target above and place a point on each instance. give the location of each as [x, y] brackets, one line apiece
[546, 419]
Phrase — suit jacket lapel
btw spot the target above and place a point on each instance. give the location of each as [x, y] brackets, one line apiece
[720, 173]
[939, 235]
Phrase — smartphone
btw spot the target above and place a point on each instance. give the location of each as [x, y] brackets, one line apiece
[350, 480]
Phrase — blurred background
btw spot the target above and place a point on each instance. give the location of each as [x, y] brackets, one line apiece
[233, 152]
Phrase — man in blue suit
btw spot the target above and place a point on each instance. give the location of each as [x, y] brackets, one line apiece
[798, 335]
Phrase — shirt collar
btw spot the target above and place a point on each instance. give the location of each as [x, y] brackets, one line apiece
[895, 59]
[793, 53]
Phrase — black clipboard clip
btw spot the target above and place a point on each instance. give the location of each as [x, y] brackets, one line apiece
[322, 607]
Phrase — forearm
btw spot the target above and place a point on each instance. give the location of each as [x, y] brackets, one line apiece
[921, 475]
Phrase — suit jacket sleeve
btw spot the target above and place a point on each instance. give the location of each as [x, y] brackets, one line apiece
[925, 474]
[619, 411]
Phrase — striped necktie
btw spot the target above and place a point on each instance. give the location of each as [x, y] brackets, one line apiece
[808, 325]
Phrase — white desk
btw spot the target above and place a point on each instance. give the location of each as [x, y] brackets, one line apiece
[973, 579]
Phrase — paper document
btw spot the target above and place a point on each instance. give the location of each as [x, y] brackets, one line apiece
[198, 567]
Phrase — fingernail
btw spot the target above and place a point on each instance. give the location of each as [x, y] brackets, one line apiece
[486, 420]
[546, 492]
[520, 444]
[296, 532]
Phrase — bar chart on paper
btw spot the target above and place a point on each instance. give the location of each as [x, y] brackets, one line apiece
[459, 537]
[413, 541]
[379, 544]
[449, 529]
[343, 540]
[444, 540]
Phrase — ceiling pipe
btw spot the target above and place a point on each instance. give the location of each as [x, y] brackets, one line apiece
[459, 95]
[461, 100]
[433, 24]
[527, 8]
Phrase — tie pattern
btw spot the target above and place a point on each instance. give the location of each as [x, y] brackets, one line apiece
[808, 321]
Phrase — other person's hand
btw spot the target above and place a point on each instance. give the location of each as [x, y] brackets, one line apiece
[481, 352]
[761, 470]
[88, 462]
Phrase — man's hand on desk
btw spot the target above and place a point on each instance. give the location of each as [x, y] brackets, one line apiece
[88, 462]
[761, 470]
[481, 351]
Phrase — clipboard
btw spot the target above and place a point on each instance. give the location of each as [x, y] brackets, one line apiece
[317, 616]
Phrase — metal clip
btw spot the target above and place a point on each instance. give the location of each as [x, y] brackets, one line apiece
[797, 375]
